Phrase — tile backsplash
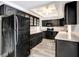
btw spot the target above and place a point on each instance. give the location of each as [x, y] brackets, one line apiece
[34, 29]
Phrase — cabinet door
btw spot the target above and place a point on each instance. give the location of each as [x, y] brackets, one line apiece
[18, 12]
[35, 20]
[2, 10]
[9, 10]
[66, 49]
[31, 21]
[71, 13]
[62, 22]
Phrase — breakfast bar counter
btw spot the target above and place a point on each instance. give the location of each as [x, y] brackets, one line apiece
[67, 45]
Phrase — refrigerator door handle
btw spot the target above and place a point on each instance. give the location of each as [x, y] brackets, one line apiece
[0, 35]
[16, 28]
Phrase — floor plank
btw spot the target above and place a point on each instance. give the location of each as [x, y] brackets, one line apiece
[45, 49]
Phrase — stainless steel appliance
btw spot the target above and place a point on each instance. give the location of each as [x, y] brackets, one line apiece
[15, 36]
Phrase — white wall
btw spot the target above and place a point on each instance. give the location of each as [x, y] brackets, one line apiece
[75, 28]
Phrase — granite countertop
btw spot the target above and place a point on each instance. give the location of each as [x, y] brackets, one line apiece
[64, 36]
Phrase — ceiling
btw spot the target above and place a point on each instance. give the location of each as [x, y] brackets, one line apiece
[32, 6]
[35, 6]
[26, 6]
[49, 10]
[1, 2]
[54, 10]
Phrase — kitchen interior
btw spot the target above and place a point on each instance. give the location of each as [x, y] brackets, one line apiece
[33, 29]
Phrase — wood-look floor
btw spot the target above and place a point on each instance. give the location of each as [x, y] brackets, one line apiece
[45, 49]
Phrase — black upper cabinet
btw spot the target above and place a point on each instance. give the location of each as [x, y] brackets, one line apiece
[71, 13]
[53, 22]
[34, 21]
[62, 22]
[18, 12]
[8, 10]
[50, 23]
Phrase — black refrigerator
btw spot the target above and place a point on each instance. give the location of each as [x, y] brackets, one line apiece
[15, 36]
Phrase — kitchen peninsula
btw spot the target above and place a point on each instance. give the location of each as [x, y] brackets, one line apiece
[65, 46]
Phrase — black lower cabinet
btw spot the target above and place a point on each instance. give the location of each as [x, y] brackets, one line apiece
[35, 39]
[66, 48]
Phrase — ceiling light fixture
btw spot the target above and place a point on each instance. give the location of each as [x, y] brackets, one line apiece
[46, 11]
